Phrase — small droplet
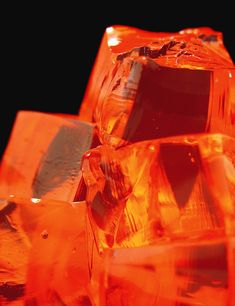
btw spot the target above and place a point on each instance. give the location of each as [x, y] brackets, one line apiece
[44, 234]
[192, 160]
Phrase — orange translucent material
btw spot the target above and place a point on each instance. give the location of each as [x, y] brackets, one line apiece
[144, 215]
[159, 190]
[43, 157]
[188, 273]
[150, 85]
[43, 254]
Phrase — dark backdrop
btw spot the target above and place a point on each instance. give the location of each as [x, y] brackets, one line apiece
[48, 52]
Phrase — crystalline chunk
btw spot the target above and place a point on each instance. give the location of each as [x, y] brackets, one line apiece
[43, 157]
[151, 85]
[43, 253]
[160, 190]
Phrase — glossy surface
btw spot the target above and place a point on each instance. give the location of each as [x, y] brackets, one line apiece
[43, 254]
[161, 190]
[43, 156]
[148, 85]
[146, 218]
[176, 274]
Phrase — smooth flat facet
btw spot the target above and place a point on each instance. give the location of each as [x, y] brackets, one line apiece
[43, 253]
[148, 85]
[43, 157]
[188, 273]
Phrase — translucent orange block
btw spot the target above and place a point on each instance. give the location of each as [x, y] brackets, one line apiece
[43, 253]
[148, 85]
[148, 217]
[43, 157]
[184, 273]
[164, 190]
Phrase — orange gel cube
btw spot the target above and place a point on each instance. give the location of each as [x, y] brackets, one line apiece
[148, 85]
[43, 253]
[43, 157]
[159, 190]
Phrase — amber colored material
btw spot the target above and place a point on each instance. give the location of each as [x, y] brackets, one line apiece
[146, 218]
[159, 190]
[148, 85]
[43, 156]
[188, 273]
[43, 254]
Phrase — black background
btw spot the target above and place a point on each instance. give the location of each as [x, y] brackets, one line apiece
[48, 52]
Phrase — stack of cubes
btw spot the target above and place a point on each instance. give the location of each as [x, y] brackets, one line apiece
[132, 202]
